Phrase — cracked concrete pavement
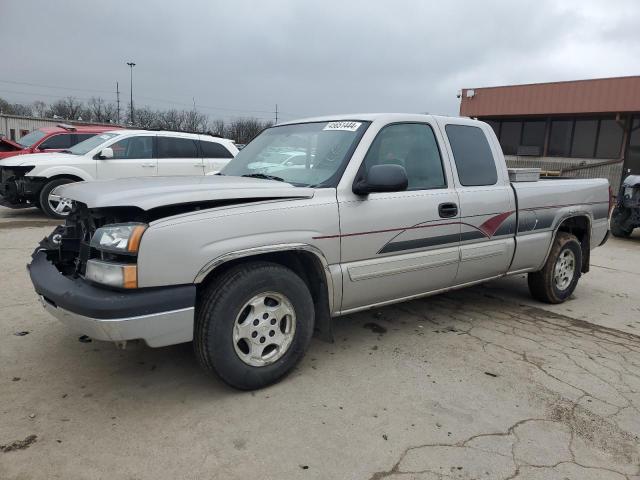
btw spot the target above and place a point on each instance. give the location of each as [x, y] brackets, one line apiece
[482, 383]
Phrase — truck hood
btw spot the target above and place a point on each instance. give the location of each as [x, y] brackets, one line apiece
[153, 192]
[11, 143]
[35, 159]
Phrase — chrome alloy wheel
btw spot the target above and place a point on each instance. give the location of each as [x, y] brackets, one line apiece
[564, 269]
[60, 205]
[264, 329]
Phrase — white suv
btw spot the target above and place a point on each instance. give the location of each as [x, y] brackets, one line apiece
[31, 179]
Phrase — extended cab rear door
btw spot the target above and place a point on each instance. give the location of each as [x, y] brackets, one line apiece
[487, 203]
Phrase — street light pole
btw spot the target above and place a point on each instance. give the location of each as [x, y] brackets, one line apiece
[131, 65]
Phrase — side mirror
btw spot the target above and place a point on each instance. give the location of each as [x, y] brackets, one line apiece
[106, 153]
[382, 178]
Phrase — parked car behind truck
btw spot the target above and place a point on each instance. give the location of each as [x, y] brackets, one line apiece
[49, 139]
[249, 263]
[33, 179]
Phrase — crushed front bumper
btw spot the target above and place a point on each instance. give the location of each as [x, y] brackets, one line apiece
[159, 316]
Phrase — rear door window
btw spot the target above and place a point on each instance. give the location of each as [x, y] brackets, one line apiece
[472, 155]
[174, 147]
[214, 150]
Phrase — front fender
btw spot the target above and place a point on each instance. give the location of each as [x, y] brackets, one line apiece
[56, 171]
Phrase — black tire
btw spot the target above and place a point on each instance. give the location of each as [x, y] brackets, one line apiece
[43, 197]
[218, 308]
[542, 284]
[618, 217]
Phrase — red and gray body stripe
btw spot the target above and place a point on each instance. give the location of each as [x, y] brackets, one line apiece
[496, 226]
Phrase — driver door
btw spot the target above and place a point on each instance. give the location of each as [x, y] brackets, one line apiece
[132, 157]
[397, 245]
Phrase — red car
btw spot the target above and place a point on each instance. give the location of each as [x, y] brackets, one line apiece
[50, 139]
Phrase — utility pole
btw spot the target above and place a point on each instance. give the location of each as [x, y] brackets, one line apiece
[276, 112]
[131, 65]
[118, 103]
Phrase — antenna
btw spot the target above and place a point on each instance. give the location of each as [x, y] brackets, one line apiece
[276, 112]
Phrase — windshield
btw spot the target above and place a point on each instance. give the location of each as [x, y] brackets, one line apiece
[90, 143]
[30, 138]
[303, 154]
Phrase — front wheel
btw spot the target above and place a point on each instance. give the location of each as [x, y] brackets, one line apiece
[253, 324]
[618, 217]
[51, 204]
[559, 277]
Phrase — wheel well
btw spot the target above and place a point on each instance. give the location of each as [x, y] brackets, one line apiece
[70, 177]
[580, 227]
[307, 266]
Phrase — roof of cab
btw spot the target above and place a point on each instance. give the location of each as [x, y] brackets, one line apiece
[368, 117]
[80, 128]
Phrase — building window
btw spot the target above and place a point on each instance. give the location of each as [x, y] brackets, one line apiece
[584, 138]
[560, 138]
[633, 154]
[12, 133]
[495, 125]
[609, 139]
[510, 133]
[23, 133]
[532, 137]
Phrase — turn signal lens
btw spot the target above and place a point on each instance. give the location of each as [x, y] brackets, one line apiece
[112, 274]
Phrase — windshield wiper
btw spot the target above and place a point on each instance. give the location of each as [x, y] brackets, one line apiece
[264, 175]
[66, 151]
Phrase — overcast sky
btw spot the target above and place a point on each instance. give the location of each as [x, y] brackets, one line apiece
[241, 57]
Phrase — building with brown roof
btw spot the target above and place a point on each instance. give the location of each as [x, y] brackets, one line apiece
[585, 128]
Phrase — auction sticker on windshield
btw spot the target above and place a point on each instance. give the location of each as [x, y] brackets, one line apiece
[344, 126]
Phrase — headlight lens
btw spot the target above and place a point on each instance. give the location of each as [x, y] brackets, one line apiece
[119, 238]
[112, 274]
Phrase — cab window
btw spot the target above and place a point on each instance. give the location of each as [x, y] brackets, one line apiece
[133, 147]
[412, 146]
[214, 150]
[173, 147]
[472, 155]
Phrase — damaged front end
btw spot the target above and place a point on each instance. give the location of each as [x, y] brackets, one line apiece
[18, 190]
[75, 280]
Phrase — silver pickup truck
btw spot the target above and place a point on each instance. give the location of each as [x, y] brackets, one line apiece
[248, 263]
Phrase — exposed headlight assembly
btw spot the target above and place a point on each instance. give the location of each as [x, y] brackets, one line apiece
[119, 238]
[123, 239]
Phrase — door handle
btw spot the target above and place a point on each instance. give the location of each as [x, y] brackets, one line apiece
[447, 210]
[198, 165]
[149, 165]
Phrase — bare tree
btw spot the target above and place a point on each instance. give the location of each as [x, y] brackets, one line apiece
[242, 130]
[217, 127]
[22, 110]
[69, 108]
[100, 111]
[171, 119]
[40, 108]
[194, 121]
[146, 118]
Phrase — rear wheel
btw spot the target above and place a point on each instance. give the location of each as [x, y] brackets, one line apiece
[253, 324]
[52, 204]
[559, 277]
